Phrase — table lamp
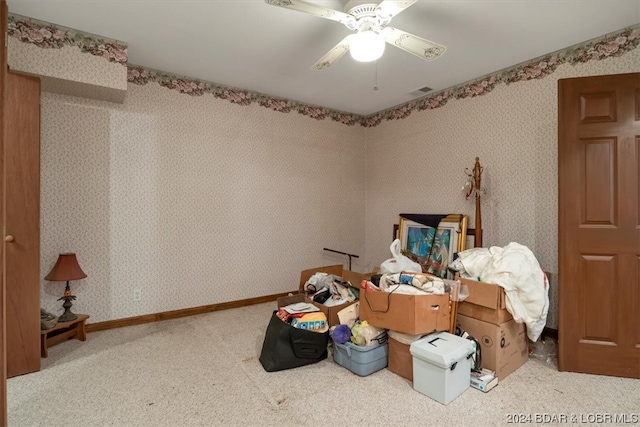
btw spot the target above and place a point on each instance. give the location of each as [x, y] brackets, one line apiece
[66, 269]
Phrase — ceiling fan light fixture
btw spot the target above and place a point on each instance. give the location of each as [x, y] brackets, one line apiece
[366, 46]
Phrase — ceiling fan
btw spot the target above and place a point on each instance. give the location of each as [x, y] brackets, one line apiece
[370, 22]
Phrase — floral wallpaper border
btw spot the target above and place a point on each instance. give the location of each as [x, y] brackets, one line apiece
[604, 47]
[607, 46]
[48, 35]
[142, 75]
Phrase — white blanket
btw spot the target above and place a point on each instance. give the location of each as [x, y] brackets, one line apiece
[516, 269]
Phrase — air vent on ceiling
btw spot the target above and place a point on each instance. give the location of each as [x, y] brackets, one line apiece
[421, 91]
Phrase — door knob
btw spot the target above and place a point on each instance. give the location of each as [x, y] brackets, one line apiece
[8, 238]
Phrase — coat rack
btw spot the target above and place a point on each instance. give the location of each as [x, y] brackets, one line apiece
[343, 253]
[473, 186]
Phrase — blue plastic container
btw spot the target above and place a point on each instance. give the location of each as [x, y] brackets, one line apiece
[361, 360]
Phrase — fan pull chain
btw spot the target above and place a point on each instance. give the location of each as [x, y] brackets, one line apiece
[375, 85]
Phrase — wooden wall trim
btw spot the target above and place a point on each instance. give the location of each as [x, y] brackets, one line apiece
[174, 314]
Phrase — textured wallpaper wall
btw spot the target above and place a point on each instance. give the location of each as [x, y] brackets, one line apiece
[192, 200]
[195, 200]
[416, 165]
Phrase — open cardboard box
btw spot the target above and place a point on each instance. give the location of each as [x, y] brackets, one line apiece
[504, 347]
[485, 302]
[331, 312]
[409, 314]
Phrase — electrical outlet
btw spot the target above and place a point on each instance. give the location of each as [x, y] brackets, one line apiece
[137, 295]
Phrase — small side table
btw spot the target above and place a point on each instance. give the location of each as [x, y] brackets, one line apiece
[63, 331]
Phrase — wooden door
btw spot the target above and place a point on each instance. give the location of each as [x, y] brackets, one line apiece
[599, 225]
[22, 222]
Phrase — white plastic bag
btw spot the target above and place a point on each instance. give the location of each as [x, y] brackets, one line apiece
[399, 262]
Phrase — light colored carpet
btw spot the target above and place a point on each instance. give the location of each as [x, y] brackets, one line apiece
[204, 370]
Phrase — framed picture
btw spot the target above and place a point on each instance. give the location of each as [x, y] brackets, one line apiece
[433, 247]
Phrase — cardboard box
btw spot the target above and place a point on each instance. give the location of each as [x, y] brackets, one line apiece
[409, 314]
[400, 359]
[338, 270]
[290, 299]
[331, 312]
[485, 302]
[504, 348]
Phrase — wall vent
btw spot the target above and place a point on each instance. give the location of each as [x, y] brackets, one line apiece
[421, 91]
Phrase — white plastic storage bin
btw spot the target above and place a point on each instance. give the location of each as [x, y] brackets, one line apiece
[361, 360]
[441, 366]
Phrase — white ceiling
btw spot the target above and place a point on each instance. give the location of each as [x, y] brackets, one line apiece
[251, 45]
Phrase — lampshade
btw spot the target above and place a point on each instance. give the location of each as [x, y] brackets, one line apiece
[66, 268]
[366, 46]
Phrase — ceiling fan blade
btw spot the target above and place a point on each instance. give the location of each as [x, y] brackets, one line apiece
[333, 55]
[390, 8]
[313, 9]
[413, 44]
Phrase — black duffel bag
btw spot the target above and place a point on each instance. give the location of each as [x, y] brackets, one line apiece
[286, 347]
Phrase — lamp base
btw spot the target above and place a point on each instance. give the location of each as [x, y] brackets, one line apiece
[67, 316]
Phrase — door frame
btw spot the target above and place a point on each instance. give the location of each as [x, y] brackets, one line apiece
[3, 323]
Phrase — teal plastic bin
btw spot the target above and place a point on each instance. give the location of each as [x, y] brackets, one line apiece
[361, 360]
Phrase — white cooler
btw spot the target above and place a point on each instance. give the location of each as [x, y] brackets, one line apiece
[441, 365]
